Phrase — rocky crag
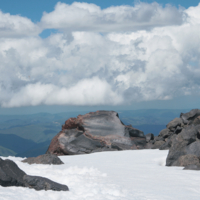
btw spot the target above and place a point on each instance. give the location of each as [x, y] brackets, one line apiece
[95, 132]
[104, 131]
[182, 138]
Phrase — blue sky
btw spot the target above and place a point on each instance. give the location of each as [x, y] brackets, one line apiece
[33, 9]
[70, 55]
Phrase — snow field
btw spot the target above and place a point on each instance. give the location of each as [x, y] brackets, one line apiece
[121, 175]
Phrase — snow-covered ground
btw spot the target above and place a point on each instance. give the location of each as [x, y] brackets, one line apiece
[122, 175]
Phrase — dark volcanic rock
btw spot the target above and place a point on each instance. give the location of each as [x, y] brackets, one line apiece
[12, 175]
[44, 159]
[189, 117]
[179, 144]
[165, 145]
[196, 121]
[80, 145]
[174, 123]
[164, 133]
[158, 144]
[149, 136]
[94, 132]
[183, 140]
[133, 132]
[159, 138]
[178, 129]
[168, 143]
[192, 167]
[187, 159]
[40, 183]
[193, 149]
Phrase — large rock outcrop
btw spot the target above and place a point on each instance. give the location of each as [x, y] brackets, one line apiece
[96, 131]
[182, 138]
[12, 175]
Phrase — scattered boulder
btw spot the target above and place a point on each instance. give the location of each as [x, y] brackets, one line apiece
[95, 132]
[178, 129]
[157, 144]
[159, 138]
[12, 175]
[40, 183]
[188, 118]
[168, 143]
[164, 133]
[133, 132]
[44, 159]
[196, 121]
[174, 123]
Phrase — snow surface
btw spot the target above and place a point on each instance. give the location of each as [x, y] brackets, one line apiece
[121, 175]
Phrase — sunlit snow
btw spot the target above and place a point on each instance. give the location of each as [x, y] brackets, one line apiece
[121, 175]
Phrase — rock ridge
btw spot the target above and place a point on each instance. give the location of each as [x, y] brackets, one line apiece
[182, 138]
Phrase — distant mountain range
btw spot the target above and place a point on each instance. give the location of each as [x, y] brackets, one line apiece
[30, 135]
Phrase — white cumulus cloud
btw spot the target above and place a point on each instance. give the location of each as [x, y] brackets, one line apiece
[17, 26]
[90, 17]
[80, 65]
[88, 91]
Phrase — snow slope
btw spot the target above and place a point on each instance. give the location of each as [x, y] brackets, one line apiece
[121, 175]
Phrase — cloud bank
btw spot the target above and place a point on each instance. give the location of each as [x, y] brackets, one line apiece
[90, 17]
[118, 55]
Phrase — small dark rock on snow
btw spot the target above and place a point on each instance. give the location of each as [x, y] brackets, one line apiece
[44, 159]
[12, 175]
[40, 183]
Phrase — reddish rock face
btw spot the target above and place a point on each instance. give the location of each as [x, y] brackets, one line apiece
[71, 123]
[94, 132]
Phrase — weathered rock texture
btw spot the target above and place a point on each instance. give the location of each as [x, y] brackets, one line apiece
[182, 138]
[12, 175]
[96, 131]
[44, 159]
[40, 183]
[192, 167]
